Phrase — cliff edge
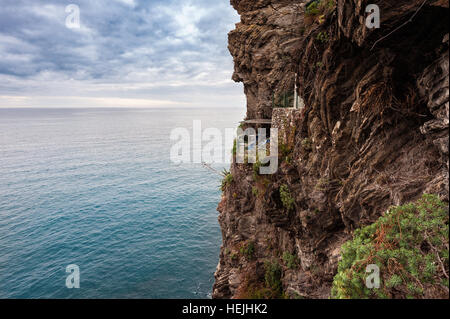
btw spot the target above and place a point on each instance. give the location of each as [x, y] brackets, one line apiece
[373, 134]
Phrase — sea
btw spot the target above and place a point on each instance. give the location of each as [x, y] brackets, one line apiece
[96, 188]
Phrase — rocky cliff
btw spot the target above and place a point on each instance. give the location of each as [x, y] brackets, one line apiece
[373, 133]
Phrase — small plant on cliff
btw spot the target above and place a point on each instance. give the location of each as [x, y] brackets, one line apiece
[286, 197]
[410, 246]
[227, 179]
[270, 288]
[322, 37]
[255, 191]
[248, 250]
[320, 7]
[290, 260]
[313, 8]
[273, 278]
[284, 150]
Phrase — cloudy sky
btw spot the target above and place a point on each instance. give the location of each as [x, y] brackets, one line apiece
[134, 53]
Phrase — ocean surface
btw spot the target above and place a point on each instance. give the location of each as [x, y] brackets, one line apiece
[96, 188]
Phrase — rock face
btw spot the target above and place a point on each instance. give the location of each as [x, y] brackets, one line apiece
[374, 133]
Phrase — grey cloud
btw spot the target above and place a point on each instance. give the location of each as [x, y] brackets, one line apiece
[125, 48]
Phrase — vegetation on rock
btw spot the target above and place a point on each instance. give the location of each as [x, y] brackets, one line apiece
[273, 278]
[286, 197]
[409, 244]
[290, 260]
[248, 250]
[363, 142]
[227, 179]
[320, 8]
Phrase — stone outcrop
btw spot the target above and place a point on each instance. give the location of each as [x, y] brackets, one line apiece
[374, 132]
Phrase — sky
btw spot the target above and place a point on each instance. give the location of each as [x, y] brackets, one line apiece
[125, 53]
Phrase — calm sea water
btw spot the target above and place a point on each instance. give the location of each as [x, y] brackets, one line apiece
[96, 188]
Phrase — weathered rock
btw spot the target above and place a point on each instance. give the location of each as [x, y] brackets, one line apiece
[374, 132]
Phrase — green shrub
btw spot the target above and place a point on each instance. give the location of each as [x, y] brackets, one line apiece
[248, 250]
[323, 37]
[320, 7]
[270, 288]
[284, 150]
[410, 246]
[286, 197]
[285, 153]
[255, 191]
[394, 281]
[313, 8]
[273, 273]
[290, 260]
[227, 179]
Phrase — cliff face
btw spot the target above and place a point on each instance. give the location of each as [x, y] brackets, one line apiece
[374, 133]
